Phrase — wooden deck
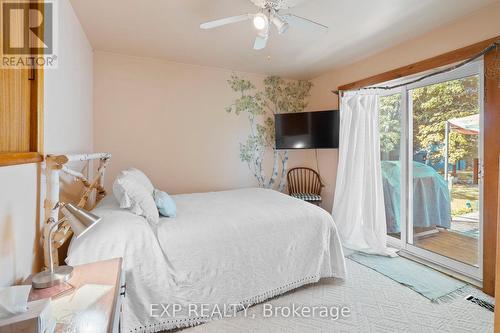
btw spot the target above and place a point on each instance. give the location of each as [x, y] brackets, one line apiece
[452, 245]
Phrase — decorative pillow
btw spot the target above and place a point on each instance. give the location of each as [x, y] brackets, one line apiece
[141, 178]
[164, 203]
[131, 194]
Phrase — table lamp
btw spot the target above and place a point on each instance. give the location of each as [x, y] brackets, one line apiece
[81, 221]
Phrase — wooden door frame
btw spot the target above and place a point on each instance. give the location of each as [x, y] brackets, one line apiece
[491, 143]
[491, 146]
[497, 269]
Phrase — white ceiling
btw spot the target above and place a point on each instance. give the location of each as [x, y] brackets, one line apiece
[169, 29]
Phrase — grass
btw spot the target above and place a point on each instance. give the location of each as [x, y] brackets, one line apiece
[462, 194]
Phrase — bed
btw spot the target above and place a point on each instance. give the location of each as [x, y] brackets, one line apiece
[228, 250]
[431, 198]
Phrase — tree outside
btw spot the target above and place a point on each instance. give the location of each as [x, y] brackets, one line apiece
[390, 126]
[435, 104]
[432, 106]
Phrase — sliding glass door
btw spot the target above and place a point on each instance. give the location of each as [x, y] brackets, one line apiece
[445, 160]
[431, 152]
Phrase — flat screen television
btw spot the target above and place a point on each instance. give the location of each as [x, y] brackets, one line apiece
[307, 130]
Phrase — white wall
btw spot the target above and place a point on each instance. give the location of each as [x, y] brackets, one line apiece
[69, 89]
[67, 128]
[18, 222]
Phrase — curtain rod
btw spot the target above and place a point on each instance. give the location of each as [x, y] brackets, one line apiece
[446, 70]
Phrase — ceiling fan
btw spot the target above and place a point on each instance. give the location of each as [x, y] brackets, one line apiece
[268, 15]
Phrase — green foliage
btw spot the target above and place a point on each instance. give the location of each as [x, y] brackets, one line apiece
[278, 96]
[390, 123]
[432, 106]
[248, 148]
[240, 85]
[251, 104]
[286, 97]
[435, 104]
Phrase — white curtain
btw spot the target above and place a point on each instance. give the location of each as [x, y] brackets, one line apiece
[358, 208]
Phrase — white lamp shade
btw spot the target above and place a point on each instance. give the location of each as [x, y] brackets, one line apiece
[79, 219]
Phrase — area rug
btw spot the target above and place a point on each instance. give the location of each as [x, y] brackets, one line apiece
[377, 303]
[426, 281]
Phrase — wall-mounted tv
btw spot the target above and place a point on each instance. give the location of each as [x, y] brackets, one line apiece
[307, 130]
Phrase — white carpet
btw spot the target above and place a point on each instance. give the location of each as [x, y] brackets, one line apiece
[377, 304]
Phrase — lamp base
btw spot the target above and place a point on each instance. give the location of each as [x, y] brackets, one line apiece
[47, 279]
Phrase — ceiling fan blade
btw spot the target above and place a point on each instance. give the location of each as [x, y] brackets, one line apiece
[226, 20]
[260, 42]
[306, 20]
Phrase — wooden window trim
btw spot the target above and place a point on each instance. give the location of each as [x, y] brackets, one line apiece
[36, 123]
[422, 66]
[491, 143]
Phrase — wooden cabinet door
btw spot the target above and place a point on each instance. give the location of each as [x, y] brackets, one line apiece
[15, 110]
[21, 96]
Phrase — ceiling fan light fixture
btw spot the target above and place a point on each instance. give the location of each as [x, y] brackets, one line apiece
[280, 23]
[269, 14]
[260, 21]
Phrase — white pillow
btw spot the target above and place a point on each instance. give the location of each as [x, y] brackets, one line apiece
[141, 178]
[131, 194]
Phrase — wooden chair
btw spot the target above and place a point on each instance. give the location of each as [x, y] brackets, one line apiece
[305, 184]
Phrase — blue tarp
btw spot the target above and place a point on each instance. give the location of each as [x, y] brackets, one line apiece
[431, 198]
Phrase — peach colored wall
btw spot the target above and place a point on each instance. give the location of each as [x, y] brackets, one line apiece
[481, 25]
[67, 128]
[327, 165]
[179, 134]
[169, 120]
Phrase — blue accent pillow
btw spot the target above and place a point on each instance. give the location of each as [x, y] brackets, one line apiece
[164, 203]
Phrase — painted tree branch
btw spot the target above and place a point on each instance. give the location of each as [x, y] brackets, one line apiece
[278, 96]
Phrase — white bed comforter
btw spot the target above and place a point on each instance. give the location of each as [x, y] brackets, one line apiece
[232, 247]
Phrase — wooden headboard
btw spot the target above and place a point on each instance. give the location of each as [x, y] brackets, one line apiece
[55, 164]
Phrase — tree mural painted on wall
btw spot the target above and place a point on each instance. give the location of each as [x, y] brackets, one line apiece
[278, 96]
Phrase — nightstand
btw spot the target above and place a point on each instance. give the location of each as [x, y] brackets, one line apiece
[94, 301]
